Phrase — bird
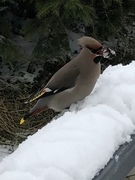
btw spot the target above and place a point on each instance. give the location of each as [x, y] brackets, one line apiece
[74, 81]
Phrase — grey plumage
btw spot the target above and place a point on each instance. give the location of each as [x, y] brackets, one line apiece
[74, 81]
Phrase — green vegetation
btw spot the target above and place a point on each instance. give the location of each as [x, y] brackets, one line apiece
[53, 19]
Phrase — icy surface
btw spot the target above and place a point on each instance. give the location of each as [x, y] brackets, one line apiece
[82, 140]
[4, 151]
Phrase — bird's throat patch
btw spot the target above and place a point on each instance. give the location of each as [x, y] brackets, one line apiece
[97, 59]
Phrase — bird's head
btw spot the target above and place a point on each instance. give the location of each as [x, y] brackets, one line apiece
[100, 51]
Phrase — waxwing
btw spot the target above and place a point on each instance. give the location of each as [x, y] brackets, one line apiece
[74, 81]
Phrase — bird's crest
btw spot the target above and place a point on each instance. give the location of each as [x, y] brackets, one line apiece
[89, 42]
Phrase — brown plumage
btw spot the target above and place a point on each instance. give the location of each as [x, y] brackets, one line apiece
[73, 82]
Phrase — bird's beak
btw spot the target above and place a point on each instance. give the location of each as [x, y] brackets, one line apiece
[108, 53]
[22, 121]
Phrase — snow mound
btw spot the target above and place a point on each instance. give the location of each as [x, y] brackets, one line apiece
[82, 140]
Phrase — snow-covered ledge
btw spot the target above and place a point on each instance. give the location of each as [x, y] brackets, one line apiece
[80, 142]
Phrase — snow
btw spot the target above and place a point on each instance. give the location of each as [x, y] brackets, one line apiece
[79, 142]
[4, 151]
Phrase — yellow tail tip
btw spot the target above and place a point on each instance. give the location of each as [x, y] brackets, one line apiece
[22, 121]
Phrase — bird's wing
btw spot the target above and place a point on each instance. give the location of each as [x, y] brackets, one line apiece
[63, 79]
